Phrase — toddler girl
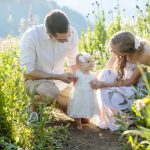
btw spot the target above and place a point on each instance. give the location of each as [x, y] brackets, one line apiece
[83, 102]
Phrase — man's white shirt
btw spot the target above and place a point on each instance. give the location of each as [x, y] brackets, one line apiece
[39, 52]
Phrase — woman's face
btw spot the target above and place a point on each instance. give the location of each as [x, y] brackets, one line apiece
[115, 50]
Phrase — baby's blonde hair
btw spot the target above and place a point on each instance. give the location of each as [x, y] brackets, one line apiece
[78, 61]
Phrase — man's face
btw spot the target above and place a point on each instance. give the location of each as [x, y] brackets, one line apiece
[61, 37]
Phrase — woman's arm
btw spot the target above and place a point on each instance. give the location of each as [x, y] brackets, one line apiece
[111, 62]
[127, 82]
[130, 81]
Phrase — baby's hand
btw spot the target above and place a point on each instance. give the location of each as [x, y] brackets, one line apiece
[67, 77]
[72, 77]
[96, 84]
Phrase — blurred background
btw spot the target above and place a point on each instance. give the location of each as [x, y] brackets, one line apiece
[18, 15]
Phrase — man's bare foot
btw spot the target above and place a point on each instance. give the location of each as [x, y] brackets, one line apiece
[79, 127]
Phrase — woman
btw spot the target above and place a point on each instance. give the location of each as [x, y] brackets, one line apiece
[116, 82]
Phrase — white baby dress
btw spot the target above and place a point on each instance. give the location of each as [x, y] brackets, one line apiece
[83, 102]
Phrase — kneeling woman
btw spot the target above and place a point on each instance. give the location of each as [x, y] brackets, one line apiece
[115, 84]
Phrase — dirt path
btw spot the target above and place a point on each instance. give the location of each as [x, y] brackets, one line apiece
[91, 138]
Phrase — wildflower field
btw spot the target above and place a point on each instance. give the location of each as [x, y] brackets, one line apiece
[16, 133]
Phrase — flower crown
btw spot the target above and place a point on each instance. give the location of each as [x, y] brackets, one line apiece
[84, 56]
[137, 42]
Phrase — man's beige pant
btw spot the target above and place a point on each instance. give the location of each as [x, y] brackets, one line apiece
[48, 92]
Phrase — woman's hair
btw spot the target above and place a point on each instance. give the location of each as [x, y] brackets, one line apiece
[56, 22]
[126, 43]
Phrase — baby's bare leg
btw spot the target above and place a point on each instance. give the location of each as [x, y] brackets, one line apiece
[78, 123]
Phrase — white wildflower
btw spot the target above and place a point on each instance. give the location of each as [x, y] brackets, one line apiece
[139, 104]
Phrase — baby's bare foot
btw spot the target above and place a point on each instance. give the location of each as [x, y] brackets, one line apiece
[84, 121]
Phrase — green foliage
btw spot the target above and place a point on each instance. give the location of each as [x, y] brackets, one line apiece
[140, 138]
[116, 25]
[13, 99]
[95, 42]
[15, 132]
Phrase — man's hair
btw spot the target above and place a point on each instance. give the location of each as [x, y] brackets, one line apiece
[56, 22]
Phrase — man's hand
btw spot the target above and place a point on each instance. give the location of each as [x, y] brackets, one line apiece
[75, 79]
[67, 77]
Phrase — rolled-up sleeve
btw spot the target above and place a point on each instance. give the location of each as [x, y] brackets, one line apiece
[71, 57]
[27, 52]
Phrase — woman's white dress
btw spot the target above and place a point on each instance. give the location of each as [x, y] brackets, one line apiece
[115, 99]
[83, 101]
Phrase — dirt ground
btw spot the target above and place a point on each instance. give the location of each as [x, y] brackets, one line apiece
[91, 138]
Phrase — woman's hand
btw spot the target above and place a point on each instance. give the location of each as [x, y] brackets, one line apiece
[95, 84]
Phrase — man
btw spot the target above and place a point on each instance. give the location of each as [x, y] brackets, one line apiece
[44, 49]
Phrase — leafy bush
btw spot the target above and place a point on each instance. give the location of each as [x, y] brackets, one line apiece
[15, 132]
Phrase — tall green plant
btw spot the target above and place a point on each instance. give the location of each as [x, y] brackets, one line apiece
[94, 42]
[116, 25]
[15, 132]
[139, 138]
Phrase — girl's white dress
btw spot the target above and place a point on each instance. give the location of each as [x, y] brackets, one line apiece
[83, 102]
[115, 99]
